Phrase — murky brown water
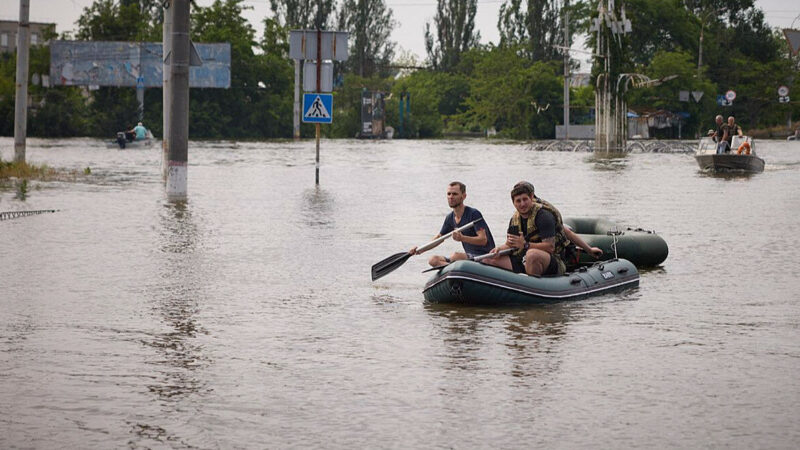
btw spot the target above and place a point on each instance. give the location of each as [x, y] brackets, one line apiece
[246, 317]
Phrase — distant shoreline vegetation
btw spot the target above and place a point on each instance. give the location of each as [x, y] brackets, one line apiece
[514, 86]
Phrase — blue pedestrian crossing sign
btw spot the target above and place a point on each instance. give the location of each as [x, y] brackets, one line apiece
[317, 108]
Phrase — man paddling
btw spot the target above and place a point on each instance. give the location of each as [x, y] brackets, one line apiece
[476, 241]
[539, 235]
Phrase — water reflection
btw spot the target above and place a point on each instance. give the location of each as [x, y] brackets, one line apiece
[318, 205]
[530, 336]
[728, 176]
[176, 296]
[605, 162]
[21, 190]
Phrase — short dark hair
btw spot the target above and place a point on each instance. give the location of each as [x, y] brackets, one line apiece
[523, 187]
[460, 185]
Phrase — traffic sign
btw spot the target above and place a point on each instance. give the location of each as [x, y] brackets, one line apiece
[793, 38]
[317, 108]
[730, 95]
[783, 99]
[783, 91]
[722, 101]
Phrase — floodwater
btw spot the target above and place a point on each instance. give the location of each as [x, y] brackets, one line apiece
[246, 318]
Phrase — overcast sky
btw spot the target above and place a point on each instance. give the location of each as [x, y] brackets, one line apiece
[411, 16]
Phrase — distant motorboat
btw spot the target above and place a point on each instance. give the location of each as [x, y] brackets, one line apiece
[730, 161]
[124, 141]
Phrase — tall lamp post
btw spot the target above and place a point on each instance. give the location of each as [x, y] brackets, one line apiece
[703, 18]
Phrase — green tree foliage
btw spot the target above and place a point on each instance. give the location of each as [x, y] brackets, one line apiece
[537, 27]
[427, 100]
[666, 96]
[257, 104]
[370, 24]
[515, 87]
[113, 109]
[107, 20]
[304, 14]
[454, 23]
[513, 94]
[660, 25]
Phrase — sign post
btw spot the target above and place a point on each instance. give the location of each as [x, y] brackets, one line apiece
[323, 46]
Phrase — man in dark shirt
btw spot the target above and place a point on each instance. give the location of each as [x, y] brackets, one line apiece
[476, 240]
[540, 245]
[717, 135]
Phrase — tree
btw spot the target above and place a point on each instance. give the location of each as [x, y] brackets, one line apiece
[256, 104]
[303, 14]
[112, 109]
[512, 94]
[370, 24]
[536, 27]
[454, 22]
[667, 95]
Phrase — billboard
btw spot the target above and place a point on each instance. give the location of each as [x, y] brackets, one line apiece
[132, 64]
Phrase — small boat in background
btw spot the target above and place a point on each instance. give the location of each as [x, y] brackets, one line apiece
[125, 141]
[730, 161]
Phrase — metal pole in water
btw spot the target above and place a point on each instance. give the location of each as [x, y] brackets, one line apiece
[296, 111]
[166, 47]
[21, 101]
[316, 165]
[179, 102]
[319, 82]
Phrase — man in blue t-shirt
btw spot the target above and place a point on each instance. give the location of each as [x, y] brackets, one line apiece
[476, 240]
[139, 132]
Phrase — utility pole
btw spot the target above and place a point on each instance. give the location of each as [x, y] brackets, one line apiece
[166, 46]
[21, 101]
[319, 83]
[296, 115]
[566, 71]
[179, 102]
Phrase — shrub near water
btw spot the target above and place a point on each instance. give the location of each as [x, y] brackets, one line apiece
[9, 169]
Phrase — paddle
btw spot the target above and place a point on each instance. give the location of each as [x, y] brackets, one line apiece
[391, 263]
[476, 258]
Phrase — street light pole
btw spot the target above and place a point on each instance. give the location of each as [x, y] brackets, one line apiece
[21, 100]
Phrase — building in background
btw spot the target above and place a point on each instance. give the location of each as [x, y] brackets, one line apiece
[8, 34]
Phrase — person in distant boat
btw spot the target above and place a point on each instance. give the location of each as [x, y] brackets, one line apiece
[716, 134]
[721, 135]
[734, 127]
[138, 132]
[538, 233]
[476, 240]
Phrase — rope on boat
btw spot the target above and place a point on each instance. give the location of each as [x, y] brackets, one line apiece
[6, 215]
[614, 233]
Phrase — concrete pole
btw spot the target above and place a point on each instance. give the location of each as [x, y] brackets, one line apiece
[21, 100]
[296, 116]
[166, 46]
[566, 74]
[179, 103]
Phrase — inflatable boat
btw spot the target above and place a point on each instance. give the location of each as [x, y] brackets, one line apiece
[472, 283]
[643, 248]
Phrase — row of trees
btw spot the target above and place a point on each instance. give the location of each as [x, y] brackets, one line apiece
[466, 86]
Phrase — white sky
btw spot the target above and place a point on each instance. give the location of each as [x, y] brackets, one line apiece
[411, 16]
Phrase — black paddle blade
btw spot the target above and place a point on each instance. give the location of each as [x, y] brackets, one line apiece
[389, 264]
